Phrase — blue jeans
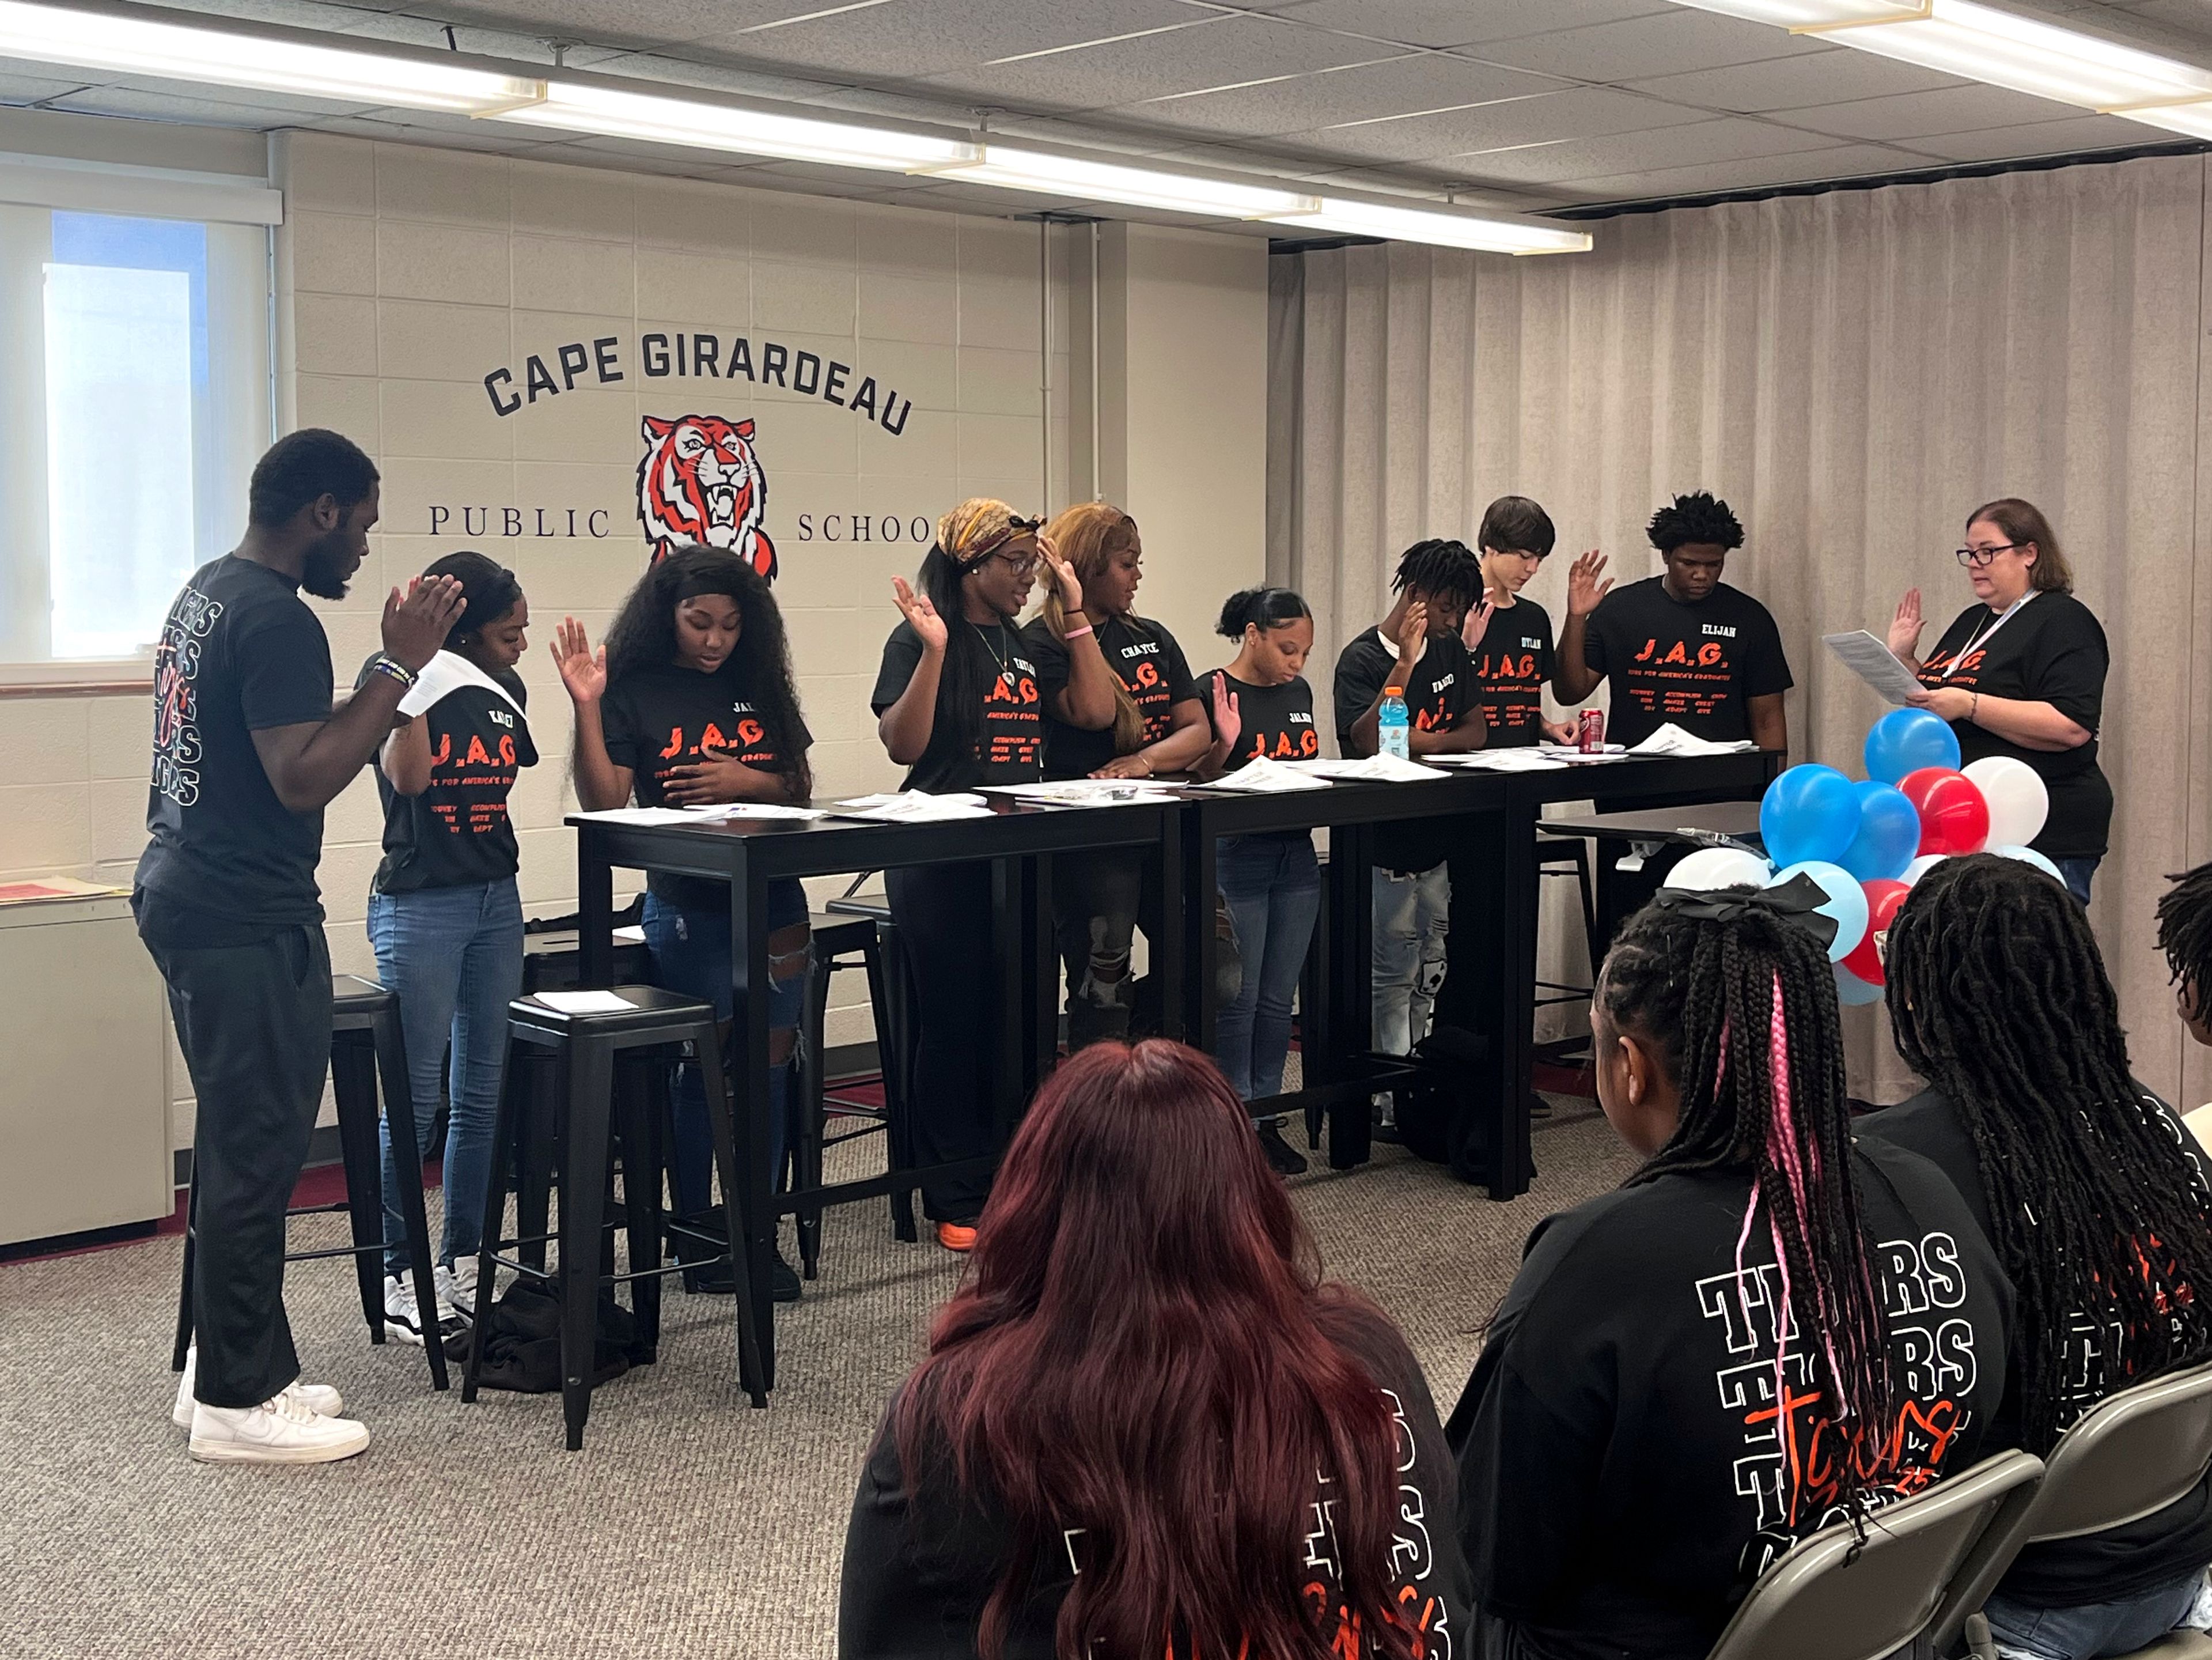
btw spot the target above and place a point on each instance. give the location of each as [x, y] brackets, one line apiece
[454, 958]
[2099, 1628]
[1273, 887]
[2076, 873]
[691, 949]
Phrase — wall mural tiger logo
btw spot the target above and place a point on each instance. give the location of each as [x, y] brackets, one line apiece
[700, 484]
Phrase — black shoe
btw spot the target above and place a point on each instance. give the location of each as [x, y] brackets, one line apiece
[1282, 1157]
[711, 1279]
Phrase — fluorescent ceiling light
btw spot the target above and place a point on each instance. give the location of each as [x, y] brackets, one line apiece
[1440, 226]
[577, 106]
[1813, 13]
[1015, 167]
[136, 44]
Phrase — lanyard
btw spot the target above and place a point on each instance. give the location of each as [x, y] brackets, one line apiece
[1983, 638]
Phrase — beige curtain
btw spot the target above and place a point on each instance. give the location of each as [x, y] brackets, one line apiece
[1852, 372]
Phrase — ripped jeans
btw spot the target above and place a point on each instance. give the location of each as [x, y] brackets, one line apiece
[1413, 915]
[1100, 899]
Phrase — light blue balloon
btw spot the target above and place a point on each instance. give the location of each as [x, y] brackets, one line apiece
[1808, 813]
[1853, 992]
[1888, 834]
[1847, 902]
[2030, 856]
[1905, 740]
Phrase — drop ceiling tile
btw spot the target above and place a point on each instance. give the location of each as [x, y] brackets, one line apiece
[1416, 81]
[711, 75]
[1457, 22]
[1726, 138]
[1581, 113]
[2080, 133]
[1785, 83]
[32, 89]
[1671, 43]
[189, 109]
[1222, 51]
[1716, 178]
[926, 37]
[1910, 115]
[631, 21]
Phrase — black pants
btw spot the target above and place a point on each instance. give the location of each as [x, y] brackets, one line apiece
[254, 1023]
[944, 917]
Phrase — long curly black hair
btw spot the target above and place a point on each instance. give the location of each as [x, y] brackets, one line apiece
[644, 636]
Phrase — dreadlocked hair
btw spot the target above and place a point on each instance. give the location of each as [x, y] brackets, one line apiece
[1441, 570]
[2184, 933]
[1087, 535]
[1697, 518]
[1999, 998]
[1744, 1010]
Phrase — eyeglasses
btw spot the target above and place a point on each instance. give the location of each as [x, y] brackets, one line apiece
[1975, 558]
[1022, 563]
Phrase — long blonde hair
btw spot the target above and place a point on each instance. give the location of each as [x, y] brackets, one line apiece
[1087, 535]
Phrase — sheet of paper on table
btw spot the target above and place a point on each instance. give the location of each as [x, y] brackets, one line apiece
[1671, 739]
[1526, 758]
[585, 1002]
[755, 810]
[1088, 792]
[1873, 661]
[1373, 769]
[912, 807]
[1266, 777]
[642, 815]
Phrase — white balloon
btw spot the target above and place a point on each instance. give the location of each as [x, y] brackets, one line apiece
[2030, 856]
[1710, 868]
[2019, 803]
[1920, 867]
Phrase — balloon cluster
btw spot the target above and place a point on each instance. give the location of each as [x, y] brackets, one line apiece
[1867, 843]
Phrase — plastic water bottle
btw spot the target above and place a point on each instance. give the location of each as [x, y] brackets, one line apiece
[1392, 729]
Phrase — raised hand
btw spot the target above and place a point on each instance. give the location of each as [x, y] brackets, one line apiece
[583, 670]
[1412, 633]
[417, 618]
[1584, 590]
[1063, 576]
[1478, 624]
[1228, 726]
[920, 613]
[1904, 627]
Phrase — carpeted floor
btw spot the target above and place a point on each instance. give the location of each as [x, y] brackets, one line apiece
[690, 1526]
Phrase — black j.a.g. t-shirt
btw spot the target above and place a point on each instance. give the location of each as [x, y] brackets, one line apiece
[2050, 650]
[457, 833]
[666, 717]
[1439, 694]
[1694, 666]
[227, 863]
[1647, 1429]
[1147, 661]
[1008, 747]
[1512, 661]
[1273, 721]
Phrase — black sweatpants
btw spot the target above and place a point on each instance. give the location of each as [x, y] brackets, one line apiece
[944, 917]
[254, 1023]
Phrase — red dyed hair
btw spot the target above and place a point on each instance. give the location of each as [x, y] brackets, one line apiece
[1142, 1350]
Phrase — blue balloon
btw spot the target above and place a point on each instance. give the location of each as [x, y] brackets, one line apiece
[1905, 740]
[1888, 834]
[2030, 856]
[1808, 813]
[1853, 992]
[1847, 902]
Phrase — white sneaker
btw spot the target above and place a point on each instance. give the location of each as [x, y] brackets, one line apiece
[403, 1317]
[283, 1430]
[320, 1398]
[457, 1288]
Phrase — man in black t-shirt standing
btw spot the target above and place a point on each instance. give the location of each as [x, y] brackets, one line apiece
[246, 755]
[1683, 649]
[1418, 650]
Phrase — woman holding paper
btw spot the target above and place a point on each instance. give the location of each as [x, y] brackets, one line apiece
[444, 915]
[690, 703]
[2021, 672]
[1262, 710]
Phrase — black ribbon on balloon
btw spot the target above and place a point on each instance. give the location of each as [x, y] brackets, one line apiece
[1797, 902]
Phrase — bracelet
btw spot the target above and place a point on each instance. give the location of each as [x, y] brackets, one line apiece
[382, 664]
[1147, 760]
[1076, 634]
[1974, 709]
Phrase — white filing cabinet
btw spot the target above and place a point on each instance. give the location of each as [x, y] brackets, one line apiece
[84, 1091]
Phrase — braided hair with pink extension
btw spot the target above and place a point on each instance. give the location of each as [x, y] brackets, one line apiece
[1743, 1009]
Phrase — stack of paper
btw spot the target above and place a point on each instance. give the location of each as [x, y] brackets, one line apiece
[1671, 739]
[1266, 777]
[913, 807]
[756, 810]
[1873, 661]
[1375, 769]
[644, 816]
[1088, 792]
[1527, 758]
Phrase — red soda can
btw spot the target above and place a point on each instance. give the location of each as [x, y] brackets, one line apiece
[1590, 731]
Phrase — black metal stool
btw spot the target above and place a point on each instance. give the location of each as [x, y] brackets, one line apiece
[595, 1095]
[365, 1043]
[1568, 855]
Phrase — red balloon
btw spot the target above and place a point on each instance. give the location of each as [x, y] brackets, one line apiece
[1954, 817]
[1864, 959]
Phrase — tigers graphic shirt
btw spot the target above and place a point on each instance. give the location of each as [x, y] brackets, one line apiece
[1150, 666]
[658, 718]
[1647, 1429]
[1512, 661]
[1275, 721]
[1009, 746]
[457, 833]
[1693, 666]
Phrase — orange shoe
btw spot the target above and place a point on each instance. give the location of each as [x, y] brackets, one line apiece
[956, 1236]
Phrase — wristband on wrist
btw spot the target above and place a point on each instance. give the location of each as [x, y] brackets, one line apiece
[384, 663]
[1076, 634]
[1974, 709]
